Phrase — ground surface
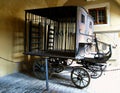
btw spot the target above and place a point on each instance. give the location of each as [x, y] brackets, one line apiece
[109, 82]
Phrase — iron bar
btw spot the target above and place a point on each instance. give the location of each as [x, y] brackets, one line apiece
[39, 36]
[25, 33]
[46, 65]
[30, 36]
[62, 27]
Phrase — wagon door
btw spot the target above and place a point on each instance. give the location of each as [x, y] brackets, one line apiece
[81, 32]
[89, 35]
[81, 25]
[89, 29]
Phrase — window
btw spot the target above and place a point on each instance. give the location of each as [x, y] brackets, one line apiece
[90, 25]
[82, 18]
[99, 15]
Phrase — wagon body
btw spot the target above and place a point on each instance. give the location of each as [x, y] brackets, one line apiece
[60, 32]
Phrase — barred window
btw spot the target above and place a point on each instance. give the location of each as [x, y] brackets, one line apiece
[99, 15]
[82, 18]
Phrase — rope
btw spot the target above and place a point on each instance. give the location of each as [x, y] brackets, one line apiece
[8, 60]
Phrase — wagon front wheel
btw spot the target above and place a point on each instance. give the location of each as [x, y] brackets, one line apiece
[80, 77]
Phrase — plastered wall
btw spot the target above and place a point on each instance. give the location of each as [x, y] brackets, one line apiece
[12, 28]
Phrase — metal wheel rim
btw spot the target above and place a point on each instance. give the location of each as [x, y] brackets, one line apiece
[80, 77]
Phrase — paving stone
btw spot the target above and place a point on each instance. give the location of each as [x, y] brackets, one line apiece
[59, 83]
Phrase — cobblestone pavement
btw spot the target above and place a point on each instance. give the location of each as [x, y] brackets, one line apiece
[109, 82]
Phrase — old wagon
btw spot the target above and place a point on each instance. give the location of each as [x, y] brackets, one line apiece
[58, 34]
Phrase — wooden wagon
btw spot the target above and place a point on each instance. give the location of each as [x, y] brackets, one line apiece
[57, 34]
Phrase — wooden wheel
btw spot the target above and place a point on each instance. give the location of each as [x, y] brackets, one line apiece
[80, 77]
[39, 69]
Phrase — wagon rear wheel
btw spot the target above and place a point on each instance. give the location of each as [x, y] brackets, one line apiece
[80, 77]
[39, 69]
[95, 71]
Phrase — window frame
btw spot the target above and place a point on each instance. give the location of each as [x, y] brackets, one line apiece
[97, 15]
[107, 5]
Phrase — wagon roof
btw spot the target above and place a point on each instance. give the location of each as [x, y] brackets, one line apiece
[55, 12]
